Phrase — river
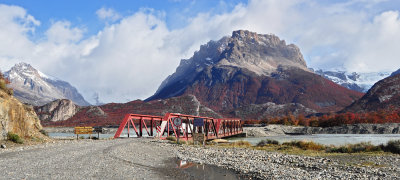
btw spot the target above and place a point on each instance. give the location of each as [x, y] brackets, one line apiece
[328, 139]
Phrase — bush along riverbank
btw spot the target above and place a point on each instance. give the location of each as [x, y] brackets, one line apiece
[299, 159]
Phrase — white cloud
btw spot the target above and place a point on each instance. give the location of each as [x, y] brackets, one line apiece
[108, 14]
[128, 59]
[61, 32]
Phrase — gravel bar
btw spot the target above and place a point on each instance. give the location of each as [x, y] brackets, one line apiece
[145, 158]
[261, 164]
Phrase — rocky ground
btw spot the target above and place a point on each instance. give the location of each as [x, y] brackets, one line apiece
[271, 165]
[270, 130]
[154, 159]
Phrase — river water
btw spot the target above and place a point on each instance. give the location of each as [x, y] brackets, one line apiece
[328, 139]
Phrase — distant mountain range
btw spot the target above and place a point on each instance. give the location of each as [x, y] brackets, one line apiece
[361, 82]
[34, 87]
[246, 75]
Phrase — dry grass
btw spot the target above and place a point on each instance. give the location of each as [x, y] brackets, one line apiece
[306, 145]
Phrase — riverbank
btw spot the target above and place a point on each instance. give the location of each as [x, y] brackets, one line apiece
[71, 130]
[274, 129]
[263, 164]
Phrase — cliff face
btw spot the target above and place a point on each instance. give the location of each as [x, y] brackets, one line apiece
[17, 118]
[58, 110]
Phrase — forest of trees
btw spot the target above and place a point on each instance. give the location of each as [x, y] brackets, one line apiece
[390, 115]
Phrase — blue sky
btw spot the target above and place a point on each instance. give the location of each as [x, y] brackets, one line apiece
[83, 13]
[103, 47]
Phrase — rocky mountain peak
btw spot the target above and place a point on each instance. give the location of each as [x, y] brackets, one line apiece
[261, 53]
[36, 88]
[24, 71]
[249, 68]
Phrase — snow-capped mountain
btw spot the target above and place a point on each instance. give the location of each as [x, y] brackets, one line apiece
[34, 87]
[361, 82]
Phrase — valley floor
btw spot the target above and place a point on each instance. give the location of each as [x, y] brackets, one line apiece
[147, 158]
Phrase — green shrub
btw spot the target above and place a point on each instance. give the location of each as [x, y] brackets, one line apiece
[171, 138]
[354, 148]
[44, 132]
[14, 138]
[305, 145]
[3, 86]
[267, 142]
[393, 146]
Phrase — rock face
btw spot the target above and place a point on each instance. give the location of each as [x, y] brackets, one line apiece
[113, 113]
[360, 82]
[33, 87]
[263, 111]
[58, 110]
[384, 94]
[389, 128]
[249, 68]
[17, 118]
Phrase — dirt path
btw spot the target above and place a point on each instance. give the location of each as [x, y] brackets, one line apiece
[87, 159]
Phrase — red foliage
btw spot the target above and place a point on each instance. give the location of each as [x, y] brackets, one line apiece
[390, 115]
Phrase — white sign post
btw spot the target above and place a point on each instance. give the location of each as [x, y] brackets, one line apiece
[177, 123]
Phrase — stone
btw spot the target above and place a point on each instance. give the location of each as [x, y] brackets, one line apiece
[3, 146]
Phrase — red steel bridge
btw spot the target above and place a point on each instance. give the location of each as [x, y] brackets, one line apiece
[212, 128]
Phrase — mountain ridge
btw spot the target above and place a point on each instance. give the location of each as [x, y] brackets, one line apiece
[383, 95]
[36, 88]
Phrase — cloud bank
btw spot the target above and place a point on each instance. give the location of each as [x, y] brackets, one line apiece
[131, 55]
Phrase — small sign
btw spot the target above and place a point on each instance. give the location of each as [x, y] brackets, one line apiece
[177, 121]
[198, 122]
[198, 137]
[83, 130]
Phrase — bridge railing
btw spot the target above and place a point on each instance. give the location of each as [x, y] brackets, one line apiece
[212, 127]
[139, 122]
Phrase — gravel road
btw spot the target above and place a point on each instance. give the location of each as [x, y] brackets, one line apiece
[147, 158]
[88, 159]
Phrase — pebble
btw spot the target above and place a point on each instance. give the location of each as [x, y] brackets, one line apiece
[3, 146]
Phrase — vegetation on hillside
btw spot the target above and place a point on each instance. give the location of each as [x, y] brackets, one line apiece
[3, 85]
[390, 115]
